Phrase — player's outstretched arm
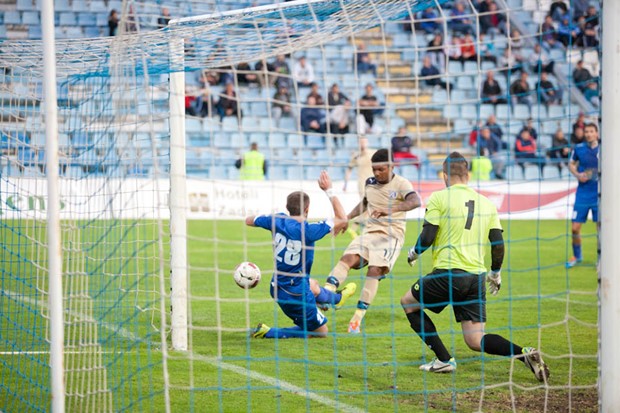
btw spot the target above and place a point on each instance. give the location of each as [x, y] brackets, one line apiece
[341, 222]
[424, 242]
[249, 221]
[412, 201]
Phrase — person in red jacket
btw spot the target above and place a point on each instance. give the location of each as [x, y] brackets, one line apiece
[526, 151]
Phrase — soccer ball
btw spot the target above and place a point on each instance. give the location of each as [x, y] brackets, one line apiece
[247, 275]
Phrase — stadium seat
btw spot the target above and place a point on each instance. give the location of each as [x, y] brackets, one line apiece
[556, 111]
[465, 83]
[532, 172]
[503, 112]
[336, 173]
[230, 123]
[521, 112]
[486, 111]
[312, 173]
[12, 17]
[277, 140]
[295, 173]
[31, 18]
[67, 19]
[288, 123]
[316, 142]
[410, 172]
[238, 140]
[260, 138]
[469, 111]
[25, 5]
[351, 141]
[295, 141]
[551, 172]
[87, 19]
[451, 111]
[277, 173]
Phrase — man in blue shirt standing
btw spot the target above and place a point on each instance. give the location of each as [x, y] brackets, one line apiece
[291, 286]
[584, 166]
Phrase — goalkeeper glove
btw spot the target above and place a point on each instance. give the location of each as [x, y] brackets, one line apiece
[494, 278]
[412, 256]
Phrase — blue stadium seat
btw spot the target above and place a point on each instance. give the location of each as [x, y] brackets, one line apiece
[471, 67]
[295, 173]
[230, 123]
[260, 138]
[351, 141]
[79, 6]
[551, 172]
[462, 126]
[238, 140]
[87, 19]
[451, 111]
[12, 17]
[486, 111]
[288, 123]
[277, 140]
[249, 123]
[503, 112]
[316, 142]
[410, 172]
[31, 18]
[25, 5]
[221, 140]
[469, 111]
[336, 173]
[295, 140]
[34, 33]
[218, 172]
[455, 68]
[277, 173]
[532, 172]
[259, 109]
[465, 83]
[521, 112]
[67, 19]
[312, 173]
[556, 111]
[76, 33]
[98, 6]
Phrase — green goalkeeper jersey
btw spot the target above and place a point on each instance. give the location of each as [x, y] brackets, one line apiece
[464, 218]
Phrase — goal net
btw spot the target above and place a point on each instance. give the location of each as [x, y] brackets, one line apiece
[154, 127]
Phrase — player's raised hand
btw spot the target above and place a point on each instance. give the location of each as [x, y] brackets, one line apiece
[325, 182]
[494, 278]
[380, 212]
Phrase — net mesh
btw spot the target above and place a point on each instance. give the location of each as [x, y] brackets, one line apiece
[114, 138]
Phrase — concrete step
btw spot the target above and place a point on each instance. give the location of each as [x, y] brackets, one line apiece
[397, 69]
[402, 98]
[396, 83]
[422, 113]
[388, 56]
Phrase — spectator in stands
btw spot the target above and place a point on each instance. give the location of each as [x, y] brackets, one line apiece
[486, 49]
[581, 76]
[468, 49]
[508, 62]
[131, 25]
[588, 30]
[314, 92]
[190, 99]
[567, 31]
[579, 7]
[560, 150]
[494, 126]
[491, 90]
[264, 70]
[245, 75]
[312, 118]
[526, 152]
[592, 16]
[529, 126]
[454, 49]
[303, 72]
[549, 34]
[592, 94]
[209, 78]
[547, 93]
[205, 104]
[539, 62]
[363, 61]
[339, 107]
[558, 10]
[228, 104]
[493, 21]
[401, 149]
[578, 136]
[431, 74]
[429, 20]
[490, 144]
[475, 134]
[516, 46]
[520, 91]
[113, 23]
[459, 21]
[368, 106]
[253, 165]
[580, 122]
[436, 50]
[164, 19]
[283, 72]
[281, 105]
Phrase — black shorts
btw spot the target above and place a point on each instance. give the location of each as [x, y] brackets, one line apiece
[466, 293]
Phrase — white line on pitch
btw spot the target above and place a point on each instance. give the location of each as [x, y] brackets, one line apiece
[281, 384]
[29, 352]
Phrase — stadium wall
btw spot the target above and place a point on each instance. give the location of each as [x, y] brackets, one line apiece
[25, 198]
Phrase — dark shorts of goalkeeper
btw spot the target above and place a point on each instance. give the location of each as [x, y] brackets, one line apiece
[466, 293]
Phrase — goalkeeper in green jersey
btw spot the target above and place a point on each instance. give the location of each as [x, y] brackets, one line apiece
[457, 222]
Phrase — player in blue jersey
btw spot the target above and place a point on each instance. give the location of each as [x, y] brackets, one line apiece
[291, 286]
[584, 166]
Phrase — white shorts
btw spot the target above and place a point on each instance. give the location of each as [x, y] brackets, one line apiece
[377, 248]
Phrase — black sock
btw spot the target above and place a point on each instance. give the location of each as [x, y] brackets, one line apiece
[424, 327]
[498, 345]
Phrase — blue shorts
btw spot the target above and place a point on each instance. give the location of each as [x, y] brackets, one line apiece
[580, 212]
[300, 307]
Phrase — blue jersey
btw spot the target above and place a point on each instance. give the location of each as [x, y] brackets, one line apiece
[293, 243]
[587, 192]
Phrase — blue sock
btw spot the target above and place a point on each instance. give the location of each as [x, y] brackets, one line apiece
[326, 296]
[288, 332]
[577, 251]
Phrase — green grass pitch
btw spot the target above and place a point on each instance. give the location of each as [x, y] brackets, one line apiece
[376, 371]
